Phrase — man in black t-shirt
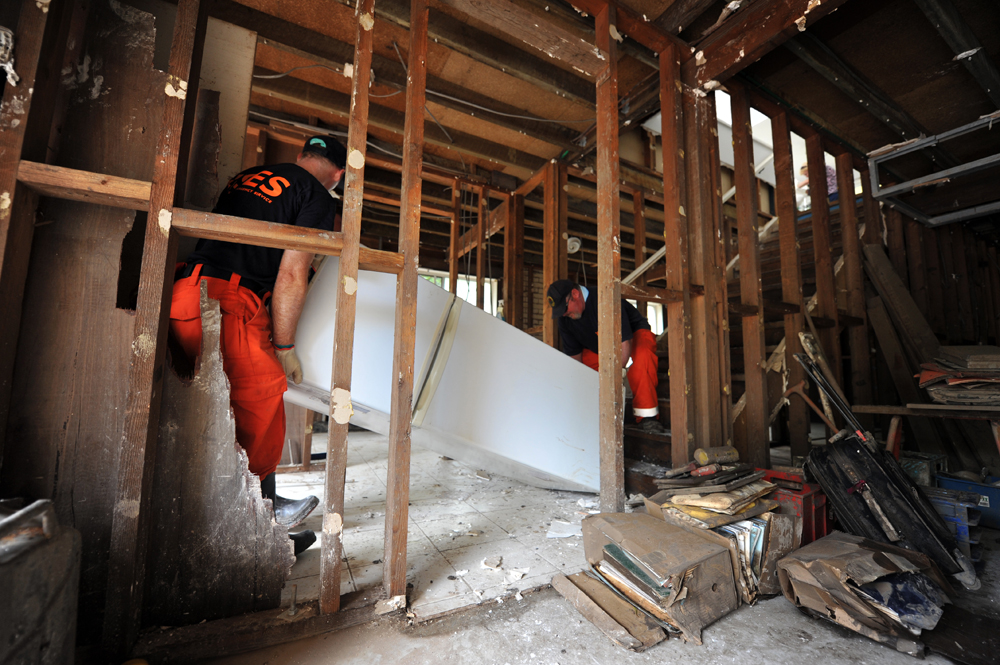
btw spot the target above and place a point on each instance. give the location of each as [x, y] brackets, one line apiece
[575, 307]
[257, 346]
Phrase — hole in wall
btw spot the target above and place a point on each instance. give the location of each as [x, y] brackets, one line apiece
[130, 264]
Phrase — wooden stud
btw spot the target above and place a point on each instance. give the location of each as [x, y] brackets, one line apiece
[332, 539]
[791, 277]
[513, 262]
[934, 281]
[915, 263]
[721, 425]
[36, 46]
[639, 231]
[456, 228]
[988, 318]
[754, 443]
[610, 395]
[127, 556]
[398, 486]
[964, 285]
[857, 335]
[873, 212]
[550, 248]
[562, 203]
[896, 243]
[826, 296]
[482, 218]
[953, 324]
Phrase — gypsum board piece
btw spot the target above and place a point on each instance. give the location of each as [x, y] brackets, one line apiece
[845, 410]
[670, 628]
[855, 460]
[711, 489]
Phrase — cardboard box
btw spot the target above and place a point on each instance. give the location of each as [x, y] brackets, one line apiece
[698, 571]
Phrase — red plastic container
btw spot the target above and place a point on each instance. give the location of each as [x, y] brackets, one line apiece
[808, 504]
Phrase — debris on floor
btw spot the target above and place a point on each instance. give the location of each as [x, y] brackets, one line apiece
[563, 530]
[886, 593]
[679, 578]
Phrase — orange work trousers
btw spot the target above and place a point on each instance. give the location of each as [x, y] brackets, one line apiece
[642, 377]
[256, 378]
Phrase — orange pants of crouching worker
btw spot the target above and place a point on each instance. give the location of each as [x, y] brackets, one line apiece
[256, 378]
[642, 378]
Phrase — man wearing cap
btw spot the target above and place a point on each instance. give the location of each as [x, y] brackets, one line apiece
[258, 346]
[575, 307]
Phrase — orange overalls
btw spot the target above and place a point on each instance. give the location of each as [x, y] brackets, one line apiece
[256, 378]
[642, 377]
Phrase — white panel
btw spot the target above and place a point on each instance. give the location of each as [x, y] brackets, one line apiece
[505, 401]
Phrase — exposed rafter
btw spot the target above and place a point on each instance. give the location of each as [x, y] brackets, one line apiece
[680, 14]
[749, 35]
[489, 50]
[828, 64]
[963, 41]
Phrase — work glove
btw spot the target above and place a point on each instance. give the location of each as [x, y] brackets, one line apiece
[290, 363]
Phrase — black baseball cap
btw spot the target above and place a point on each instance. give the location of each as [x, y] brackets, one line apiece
[329, 147]
[557, 296]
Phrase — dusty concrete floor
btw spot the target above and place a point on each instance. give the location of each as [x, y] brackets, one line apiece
[543, 628]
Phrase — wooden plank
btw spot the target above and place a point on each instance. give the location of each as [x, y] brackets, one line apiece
[791, 277]
[953, 324]
[213, 226]
[896, 244]
[398, 485]
[250, 632]
[75, 185]
[652, 294]
[989, 331]
[925, 436]
[873, 212]
[915, 263]
[550, 248]
[857, 336]
[639, 233]
[920, 343]
[35, 39]
[677, 315]
[481, 220]
[754, 443]
[593, 613]
[470, 239]
[750, 34]
[524, 25]
[963, 285]
[425, 208]
[456, 228]
[562, 211]
[513, 262]
[332, 541]
[126, 574]
[993, 268]
[609, 322]
[932, 411]
[934, 280]
[826, 296]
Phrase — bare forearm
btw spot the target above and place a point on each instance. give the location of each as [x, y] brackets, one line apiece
[626, 352]
[289, 295]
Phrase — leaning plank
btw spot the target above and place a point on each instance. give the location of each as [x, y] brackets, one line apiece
[902, 376]
[917, 334]
[218, 552]
[594, 614]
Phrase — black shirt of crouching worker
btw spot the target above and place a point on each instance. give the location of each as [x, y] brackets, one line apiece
[282, 193]
[580, 334]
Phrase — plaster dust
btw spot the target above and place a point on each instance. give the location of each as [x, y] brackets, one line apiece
[449, 503]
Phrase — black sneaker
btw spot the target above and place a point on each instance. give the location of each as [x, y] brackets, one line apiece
[303, 540]
[653, 426]
[290, 512]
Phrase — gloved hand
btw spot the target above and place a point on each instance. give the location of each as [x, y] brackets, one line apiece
[290, 362]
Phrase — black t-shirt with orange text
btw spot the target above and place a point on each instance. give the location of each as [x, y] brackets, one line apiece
[282, 193]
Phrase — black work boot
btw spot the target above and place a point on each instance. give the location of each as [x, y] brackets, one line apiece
[289, 513]
[652, 425]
